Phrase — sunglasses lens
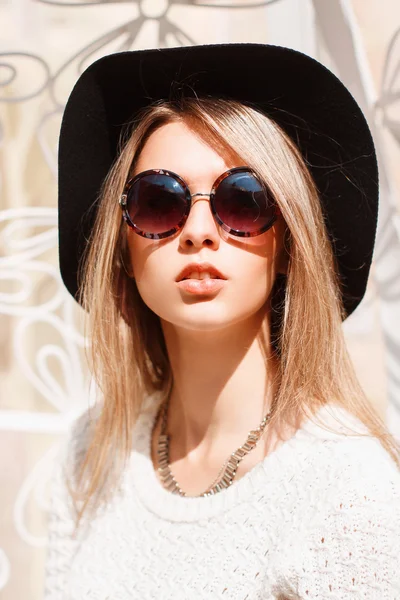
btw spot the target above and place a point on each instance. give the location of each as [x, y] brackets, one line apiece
[243, 203]
[157, 203]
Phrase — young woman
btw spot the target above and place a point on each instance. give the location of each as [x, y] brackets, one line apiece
[218, 209]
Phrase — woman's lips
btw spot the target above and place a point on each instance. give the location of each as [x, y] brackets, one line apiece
[201, 286]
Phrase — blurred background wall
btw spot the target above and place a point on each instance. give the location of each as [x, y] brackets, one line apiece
[44, 45]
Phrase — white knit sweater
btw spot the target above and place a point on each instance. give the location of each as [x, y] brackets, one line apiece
[317, 519]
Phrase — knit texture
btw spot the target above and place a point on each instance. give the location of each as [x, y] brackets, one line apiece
[319, 518]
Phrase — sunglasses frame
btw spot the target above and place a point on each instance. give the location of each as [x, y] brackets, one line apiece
[123, 202]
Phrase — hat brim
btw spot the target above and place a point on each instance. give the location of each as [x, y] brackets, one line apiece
[301, 95]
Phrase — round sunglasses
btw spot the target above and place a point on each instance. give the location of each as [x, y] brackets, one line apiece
[156, 203]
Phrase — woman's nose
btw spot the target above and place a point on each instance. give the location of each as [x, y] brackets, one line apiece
[200, 227]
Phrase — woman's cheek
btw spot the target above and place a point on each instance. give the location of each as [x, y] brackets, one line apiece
[156, 286]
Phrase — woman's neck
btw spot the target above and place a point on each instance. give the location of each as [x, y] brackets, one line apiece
[223, 387]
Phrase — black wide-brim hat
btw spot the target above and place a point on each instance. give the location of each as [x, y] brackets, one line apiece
[308, 101]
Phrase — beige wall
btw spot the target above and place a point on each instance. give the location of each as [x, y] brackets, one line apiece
[47, 387]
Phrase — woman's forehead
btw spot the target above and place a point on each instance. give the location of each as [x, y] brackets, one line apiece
[176, 147]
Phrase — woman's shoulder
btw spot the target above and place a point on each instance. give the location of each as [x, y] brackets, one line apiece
[347, 459]
[348, 511]
[73, 444]
[81, 428]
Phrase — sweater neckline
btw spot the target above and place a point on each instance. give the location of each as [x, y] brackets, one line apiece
[172, 507]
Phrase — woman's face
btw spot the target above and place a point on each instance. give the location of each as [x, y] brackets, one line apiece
[248, 264]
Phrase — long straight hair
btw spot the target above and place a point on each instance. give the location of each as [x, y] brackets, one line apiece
[128, 355]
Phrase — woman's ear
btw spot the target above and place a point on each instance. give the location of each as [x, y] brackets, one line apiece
[283, 262]
[284, 255]
[126, 267]
[124, 258]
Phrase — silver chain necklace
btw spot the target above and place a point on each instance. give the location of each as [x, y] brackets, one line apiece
[223, 480]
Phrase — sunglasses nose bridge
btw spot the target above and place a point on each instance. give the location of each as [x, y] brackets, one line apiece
[201, 195]
[199, 228]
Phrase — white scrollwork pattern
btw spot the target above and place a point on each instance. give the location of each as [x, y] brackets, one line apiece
[43, 330]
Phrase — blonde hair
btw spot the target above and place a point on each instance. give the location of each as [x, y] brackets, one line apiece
[128, 355]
